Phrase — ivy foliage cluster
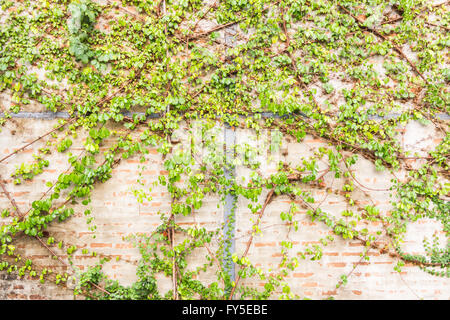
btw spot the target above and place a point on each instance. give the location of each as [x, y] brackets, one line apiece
[130, 73]
[80, 26]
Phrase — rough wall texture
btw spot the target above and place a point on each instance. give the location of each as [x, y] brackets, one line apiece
[118, 214]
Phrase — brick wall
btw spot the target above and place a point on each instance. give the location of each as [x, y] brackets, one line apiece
[117, 214]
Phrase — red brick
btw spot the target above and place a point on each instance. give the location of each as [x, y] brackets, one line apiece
[351, 253]
[303, 275]
[329, 293]
[124, 246]
[265, 244]
[21, 193]
[355, 244]
[310, 242]
[15, 296]
[276, 255]
[81, 234]
[310, 284]
[362, 263]
[337, 264]
[133, 161]
[146, 213]
[101, 245]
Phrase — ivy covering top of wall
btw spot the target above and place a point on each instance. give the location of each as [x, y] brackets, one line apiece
[122, 67]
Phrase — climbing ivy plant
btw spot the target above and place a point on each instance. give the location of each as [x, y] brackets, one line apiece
[131, 74]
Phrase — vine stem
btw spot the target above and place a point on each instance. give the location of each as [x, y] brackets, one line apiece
[210, 251]
[392, 20]
[101, 102]
[439, 26]
[226, 25]
[400, 18]
[174, 265]
[13, 202]
[356, 265]
[215, 260]
[382, 249]
[172, 216]
[22, 216]
[174, 261]
[396, 48]
[396, 255]
[249, 243]
[222, 26]
[137, 16]
[37, 139]
[363, 186]
[204, 14]
[400, 52]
